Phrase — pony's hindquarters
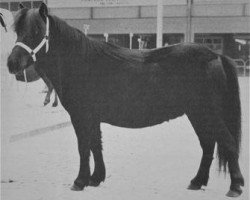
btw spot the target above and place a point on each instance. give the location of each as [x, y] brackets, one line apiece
[215, 115]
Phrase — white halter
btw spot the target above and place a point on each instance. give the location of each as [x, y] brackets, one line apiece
[45, 41]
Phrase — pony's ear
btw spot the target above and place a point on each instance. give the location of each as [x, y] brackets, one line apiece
[43, 10]
[21, 6]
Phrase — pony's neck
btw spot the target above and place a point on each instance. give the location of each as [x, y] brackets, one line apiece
[67, 38]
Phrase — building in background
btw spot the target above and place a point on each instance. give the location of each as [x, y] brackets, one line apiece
[223, 25]
[13, 5]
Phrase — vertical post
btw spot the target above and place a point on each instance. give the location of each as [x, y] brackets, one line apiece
[130, 40]
[159, 23]
[189, 36]
[106, 35]
[245, 67]
[140, 43]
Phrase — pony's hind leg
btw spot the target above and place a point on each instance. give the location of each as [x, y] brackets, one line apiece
[227, 145]
[99, 173]
[236, 177]
[56, 100]
[47, 98]
[50, 89]
[207, 143]
[213, 126]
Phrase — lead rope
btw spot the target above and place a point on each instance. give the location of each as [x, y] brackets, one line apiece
[25, 76]
[26, 86]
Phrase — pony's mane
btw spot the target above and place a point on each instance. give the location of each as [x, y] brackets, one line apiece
[94, 48]
[65, 30]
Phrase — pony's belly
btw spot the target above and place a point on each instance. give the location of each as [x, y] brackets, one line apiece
[139, 118]
[133, 123]
[137, 107]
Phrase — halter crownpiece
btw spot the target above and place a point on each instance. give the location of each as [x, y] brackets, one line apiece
[45, 41]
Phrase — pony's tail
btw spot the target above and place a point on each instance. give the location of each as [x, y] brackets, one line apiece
[231, 110]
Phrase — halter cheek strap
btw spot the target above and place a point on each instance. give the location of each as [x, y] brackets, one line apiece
[45, 41]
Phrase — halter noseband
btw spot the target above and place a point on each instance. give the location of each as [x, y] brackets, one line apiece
[45, 41]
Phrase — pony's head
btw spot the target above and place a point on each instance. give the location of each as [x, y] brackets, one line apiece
[32, 29]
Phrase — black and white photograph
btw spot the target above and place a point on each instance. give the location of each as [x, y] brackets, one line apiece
[125, 99]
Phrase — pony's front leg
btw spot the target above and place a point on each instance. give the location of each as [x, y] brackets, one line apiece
[99, 173]
[83, 132]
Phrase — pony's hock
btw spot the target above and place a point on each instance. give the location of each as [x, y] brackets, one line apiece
[100, 82]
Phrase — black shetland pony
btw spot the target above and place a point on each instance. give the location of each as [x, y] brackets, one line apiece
[100, 82]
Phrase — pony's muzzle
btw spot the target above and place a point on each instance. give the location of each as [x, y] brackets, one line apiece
[18, 60]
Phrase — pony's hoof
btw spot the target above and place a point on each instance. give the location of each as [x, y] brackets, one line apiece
[74, 187]
[234, 193]
[45, 103]
[54, 105]
[193, 187]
